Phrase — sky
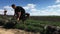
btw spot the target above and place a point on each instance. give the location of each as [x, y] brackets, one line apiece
[34, 7]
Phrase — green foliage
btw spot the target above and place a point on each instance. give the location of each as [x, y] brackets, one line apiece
[19, 26]
[28, 28]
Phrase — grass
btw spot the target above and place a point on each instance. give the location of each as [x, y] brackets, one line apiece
[37, 23]
[36, 26]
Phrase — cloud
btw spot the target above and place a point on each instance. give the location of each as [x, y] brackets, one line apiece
[7, 7]
[57, 1]
[49, 10]
[29, 6]
[54, 6]
[53, 10]
[1, 11]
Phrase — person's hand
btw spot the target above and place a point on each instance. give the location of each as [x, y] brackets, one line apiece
[17, 19]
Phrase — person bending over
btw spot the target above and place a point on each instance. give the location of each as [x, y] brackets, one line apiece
[19, 12]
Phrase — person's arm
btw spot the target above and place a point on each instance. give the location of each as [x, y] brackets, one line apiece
[19, 14]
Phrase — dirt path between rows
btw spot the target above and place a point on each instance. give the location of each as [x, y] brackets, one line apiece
[14, 31]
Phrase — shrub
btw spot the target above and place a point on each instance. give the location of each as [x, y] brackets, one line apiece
[9, 25]
[1, 23]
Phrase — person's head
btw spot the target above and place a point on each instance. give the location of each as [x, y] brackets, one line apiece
[13, 6]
